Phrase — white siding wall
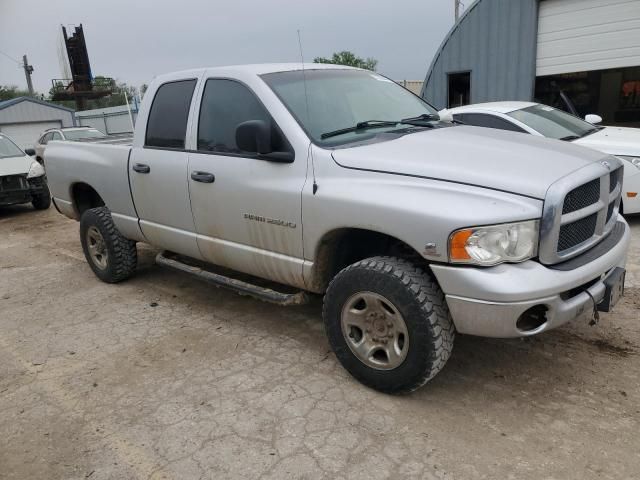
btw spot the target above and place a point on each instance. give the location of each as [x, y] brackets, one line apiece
[582, 35]
[27, 111]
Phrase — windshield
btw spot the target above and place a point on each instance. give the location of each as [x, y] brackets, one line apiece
[553, 123]
[81, 134]
[341, 99]
[9, 149]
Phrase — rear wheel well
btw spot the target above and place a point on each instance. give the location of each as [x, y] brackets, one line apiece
[85, 197]
[343, 247]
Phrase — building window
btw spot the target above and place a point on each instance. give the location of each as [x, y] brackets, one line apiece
[459, 89]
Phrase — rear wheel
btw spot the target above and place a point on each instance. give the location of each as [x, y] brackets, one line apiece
[111, 256]
[388, 324]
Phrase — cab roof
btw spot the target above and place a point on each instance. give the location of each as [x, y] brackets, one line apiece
[260, 69]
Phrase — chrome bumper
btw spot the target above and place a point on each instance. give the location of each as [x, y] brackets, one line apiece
[489, 301]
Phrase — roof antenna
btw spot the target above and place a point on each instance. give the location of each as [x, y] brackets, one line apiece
[306, 99]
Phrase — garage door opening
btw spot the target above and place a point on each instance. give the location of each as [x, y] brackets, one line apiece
[459, 89]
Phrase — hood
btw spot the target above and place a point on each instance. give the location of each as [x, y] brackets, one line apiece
[485, 157]
[15, 165]
[614, 140]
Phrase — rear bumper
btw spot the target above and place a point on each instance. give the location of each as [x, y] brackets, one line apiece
[489, 301]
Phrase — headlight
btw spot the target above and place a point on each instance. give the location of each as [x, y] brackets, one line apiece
[635, 161]
[509, 242]
[36, 170]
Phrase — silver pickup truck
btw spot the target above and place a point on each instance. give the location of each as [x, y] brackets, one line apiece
[337, 181]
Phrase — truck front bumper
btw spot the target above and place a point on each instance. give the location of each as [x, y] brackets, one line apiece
[493, 302]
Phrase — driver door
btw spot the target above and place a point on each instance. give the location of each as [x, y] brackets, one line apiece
[247, 210]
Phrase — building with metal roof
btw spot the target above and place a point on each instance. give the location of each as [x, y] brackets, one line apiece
[25, 118]
[579, 55]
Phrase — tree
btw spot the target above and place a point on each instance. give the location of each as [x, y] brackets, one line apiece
[348, 58]
[7, 92]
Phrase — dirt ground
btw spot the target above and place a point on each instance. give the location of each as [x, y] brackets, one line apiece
[167, 377]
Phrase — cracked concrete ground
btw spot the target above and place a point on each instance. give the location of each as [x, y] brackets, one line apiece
[167, 377]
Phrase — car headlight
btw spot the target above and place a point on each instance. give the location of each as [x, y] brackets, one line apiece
[635, 161]
[494, 244]
[36, 170]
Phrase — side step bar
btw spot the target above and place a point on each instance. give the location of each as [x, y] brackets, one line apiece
[241, 287]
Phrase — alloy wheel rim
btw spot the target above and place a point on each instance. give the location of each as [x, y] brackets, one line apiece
[375, 330]
[97, 248]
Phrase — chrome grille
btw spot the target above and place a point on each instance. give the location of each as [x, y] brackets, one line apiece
[572, 234]
[581, 197]
[580, 210]
[614, 178]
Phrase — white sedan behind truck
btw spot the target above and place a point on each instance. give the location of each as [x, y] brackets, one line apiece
[22, 179]
[545, 121]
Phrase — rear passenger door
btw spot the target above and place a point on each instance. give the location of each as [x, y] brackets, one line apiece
[158, 171]
[247, 209]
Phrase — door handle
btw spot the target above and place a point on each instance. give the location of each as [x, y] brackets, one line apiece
[203, 177]
[141, 168]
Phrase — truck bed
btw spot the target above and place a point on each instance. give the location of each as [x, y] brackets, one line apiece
[102, 164]
[124, 139]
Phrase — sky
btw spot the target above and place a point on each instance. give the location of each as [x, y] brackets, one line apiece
[135, 40]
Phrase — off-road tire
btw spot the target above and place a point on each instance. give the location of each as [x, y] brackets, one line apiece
[42, 201]
[418, 298]
[122, 256]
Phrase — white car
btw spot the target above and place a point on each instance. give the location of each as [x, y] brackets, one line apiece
[68, 133]
[22, 179]
[542, 120]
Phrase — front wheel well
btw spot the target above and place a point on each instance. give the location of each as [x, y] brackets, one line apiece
[84, 197]
[343, 247]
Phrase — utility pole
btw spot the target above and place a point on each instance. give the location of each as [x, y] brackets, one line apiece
[28, 70]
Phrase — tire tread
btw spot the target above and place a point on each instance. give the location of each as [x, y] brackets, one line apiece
[430, 298]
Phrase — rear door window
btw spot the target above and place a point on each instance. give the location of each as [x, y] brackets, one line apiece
[167, 123]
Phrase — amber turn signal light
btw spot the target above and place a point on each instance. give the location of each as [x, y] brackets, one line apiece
[457, 244]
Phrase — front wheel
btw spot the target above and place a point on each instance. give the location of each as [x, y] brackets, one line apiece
[111, 256]
[388, 323]
[42, 201]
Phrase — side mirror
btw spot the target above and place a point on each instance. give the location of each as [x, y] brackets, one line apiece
[254, 136]
[445, 115]
[30, 151]
[593, 119]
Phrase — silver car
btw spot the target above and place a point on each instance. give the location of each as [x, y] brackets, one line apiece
[69, 133]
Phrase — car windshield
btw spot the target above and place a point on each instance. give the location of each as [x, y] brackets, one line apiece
[82, 134]
[553, 123]
[345, 99]
[9, 149]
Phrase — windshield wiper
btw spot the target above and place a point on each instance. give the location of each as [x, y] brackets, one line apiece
[420, 119]
[360, 126]
[589, 132]
[568, 138]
